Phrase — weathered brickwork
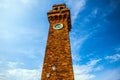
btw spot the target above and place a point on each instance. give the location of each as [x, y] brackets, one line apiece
[58, 62]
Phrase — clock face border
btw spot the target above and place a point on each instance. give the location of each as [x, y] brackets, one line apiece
[55, 26]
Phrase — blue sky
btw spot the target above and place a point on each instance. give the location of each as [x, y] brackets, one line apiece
[95, 38]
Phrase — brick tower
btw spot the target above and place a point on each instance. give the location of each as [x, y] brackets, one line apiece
[58, 62]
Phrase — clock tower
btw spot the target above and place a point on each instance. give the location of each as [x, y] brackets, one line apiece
[58, 61]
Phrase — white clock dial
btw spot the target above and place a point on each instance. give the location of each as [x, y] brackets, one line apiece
[58, 26]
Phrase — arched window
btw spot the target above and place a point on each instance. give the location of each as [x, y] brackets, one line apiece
[60, 16]
[56, 17]
[61, 8]
[64, 16]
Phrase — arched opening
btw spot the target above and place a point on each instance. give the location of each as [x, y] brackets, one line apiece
[55, 8]
[60, 16]
[51, 18]
[64, 16]
[61, 8]
[56, 17]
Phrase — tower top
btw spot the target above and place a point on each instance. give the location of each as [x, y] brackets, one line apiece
[60, 13]
[59, 5]
[58, 8]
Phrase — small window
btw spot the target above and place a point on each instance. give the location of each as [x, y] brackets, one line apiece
[56, 8]
[61, 8]
[56, 17]
[51, 18]
[64, 16]
[60, 17]
[48, 75]
[53, 67]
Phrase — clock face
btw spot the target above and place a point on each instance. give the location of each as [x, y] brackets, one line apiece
[58, 26]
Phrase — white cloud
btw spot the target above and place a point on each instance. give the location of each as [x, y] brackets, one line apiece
[9, 3]
[13, 9]
[83, 72]
[113, 58]
[91, 15]
[32, 52]
[94, 62]
[9, 64]
[12, 71]
[14, 64]
[23, 74]
[109, 74]
[20, 74]
[117, 49]
[28, 2]
[84, 77]
[76, 6]
[13, 12]
[76, 45]
[11, 37]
